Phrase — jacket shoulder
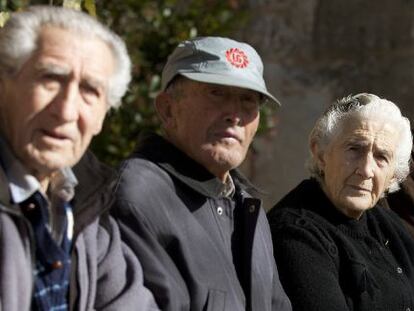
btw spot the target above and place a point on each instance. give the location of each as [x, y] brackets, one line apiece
[144, 193]
[138, 176]
[298, 217]
[291, 207]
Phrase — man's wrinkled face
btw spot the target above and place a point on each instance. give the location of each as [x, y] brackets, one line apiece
[56, 103]
[359, 164]
[213, 124]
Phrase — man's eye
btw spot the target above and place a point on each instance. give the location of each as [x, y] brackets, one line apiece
[216, 92]
[51, 77]
[354, 148]
[50, 80]
[88, 89]
[253, 100]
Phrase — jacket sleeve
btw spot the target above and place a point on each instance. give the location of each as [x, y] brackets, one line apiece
[119, 275]
[307, 269]
[280, 300]
[161, 275]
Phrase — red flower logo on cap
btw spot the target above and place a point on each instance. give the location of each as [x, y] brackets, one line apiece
[237, 58]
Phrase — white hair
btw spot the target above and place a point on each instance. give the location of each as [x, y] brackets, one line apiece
[19, 39]
[363, 106]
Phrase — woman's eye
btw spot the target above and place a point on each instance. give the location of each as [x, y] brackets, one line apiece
[382, 158]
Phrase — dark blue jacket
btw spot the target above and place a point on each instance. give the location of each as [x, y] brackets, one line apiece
[199, 250]
[105, 273]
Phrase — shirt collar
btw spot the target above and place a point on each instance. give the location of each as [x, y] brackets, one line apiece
[22, 185]
[229, 187]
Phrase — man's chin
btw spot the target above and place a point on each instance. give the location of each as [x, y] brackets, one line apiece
[47, 164]
[228, 161]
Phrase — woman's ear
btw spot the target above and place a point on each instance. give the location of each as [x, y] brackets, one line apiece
[392, 185]
[163, 106]
[318, 155]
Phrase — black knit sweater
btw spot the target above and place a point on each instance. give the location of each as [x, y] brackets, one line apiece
[329, 262]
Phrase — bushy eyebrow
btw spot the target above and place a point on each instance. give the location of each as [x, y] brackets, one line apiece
[356, 141]
[52, 68]
[363, 143]
[65, 72]
[94, 83]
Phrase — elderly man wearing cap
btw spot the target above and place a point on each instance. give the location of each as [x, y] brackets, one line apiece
[201, 237]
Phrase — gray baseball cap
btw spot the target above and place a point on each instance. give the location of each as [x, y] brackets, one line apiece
[219, 61]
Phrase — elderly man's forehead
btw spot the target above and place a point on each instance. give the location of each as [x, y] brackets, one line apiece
[51, 38]
[43, 36]
[226, 88]
[65, 70]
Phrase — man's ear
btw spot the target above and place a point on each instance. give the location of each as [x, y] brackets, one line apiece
[2, 82]
[3, 89]
[318, 155]
[164, 106]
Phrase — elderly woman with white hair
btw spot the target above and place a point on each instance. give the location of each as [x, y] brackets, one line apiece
[336, 248]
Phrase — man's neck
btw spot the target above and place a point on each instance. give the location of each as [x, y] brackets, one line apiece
[43, 178]
[222, 176]
[44, 184]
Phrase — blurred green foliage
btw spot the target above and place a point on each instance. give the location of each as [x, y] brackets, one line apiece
[151, 29]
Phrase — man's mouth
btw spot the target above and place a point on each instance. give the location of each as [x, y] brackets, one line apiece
[228, 134]
[55, 135]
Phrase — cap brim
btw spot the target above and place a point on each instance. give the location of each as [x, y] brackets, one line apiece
[229, 81]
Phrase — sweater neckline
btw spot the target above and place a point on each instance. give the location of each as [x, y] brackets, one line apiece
[357, 228]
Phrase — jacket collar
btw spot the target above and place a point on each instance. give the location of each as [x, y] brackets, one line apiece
[4, 189]
[90, 200]
[93, 192]
[178, 164]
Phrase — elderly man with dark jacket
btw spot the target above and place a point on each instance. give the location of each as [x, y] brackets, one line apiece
[60, 71]
[183, 208]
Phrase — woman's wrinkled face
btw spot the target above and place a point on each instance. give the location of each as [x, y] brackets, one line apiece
[359, 164]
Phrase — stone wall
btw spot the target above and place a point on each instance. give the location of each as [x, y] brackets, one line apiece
[314, 52]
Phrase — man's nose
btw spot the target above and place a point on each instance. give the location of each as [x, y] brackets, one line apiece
[65, 105]
[233, 111]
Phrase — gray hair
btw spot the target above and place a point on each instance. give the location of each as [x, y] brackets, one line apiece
[363, 106]
[175, 87]
[19, 39]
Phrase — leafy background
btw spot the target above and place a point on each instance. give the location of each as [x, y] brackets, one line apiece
[151, 29]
